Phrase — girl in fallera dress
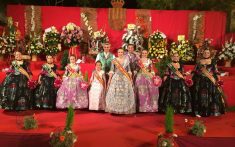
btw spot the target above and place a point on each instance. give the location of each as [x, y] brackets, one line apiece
[45, 95]
[207, 95]
[120, 94]
[146, 92]
[15, 93]
[97, 89]
[175, 92]
[70, 92]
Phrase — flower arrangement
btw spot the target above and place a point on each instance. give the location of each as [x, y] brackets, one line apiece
[71, 35]
[195, 127]
[84, 84]
[228, 51]
[57, 82]
[157, 45]
[133, 36]
[65, 137]
[97, 39]
[32, 84]
[167, 139]
[51, 39]
[35, 46]
[30, 122]
[184, 49]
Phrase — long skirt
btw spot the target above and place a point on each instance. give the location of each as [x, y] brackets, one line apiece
[45, 95]
[147, 94]
[176, 94]
[15, 94]
[71, 93]
[96, 96]
[120, 96]
[207, 99]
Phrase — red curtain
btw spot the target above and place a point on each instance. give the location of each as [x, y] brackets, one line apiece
[172, 23]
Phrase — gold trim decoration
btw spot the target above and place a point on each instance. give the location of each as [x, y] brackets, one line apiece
[33, 20]
[117, 18]
[196, 27]
[143, 19]
[88, 22]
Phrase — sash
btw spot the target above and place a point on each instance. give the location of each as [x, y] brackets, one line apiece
[50, 71]
[212, 79]
[178, 73]
[141, 65]
[72, 71]
[120, 67]
[99, 78]
[21, 70]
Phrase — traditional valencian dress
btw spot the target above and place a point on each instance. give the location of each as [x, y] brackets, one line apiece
[175, 92]
[147, 93]
[207, 96]
[45, 95]
[15, 94]
[70, 92]
[97, 91]
[120, 96]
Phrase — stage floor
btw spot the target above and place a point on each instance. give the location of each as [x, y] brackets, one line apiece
[103, 129]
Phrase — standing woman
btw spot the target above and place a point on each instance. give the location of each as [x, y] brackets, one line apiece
[15, 93]
[120, 96]
[147, 93]
[45, 95]
[207, 96]
[70, 92]
[175, 92]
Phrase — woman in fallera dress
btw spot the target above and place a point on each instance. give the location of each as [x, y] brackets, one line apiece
[45, 95]
[175, 92]
[207, 95]
[15, 93]
[146, 92]
[120, 94]
[97, 89]
[70, 92]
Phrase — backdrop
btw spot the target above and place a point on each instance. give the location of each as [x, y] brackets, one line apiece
[172, 23]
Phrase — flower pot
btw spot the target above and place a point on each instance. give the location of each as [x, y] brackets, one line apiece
[228, 63]
[34, 58]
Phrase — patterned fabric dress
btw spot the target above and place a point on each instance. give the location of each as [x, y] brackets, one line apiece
[45, 95]
[15, 94]
[147, 93]
[120, 96]
[97, 91]
[70, 92]
[175, 93]
[207, 99]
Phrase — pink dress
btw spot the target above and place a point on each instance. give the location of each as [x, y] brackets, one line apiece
[70, 92]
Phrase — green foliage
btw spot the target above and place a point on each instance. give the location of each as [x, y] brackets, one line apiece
[162, 65]
[86, 76]
[69, 119]
[198, 129]
[30, 122]
[169, 119]
[65, 59]
[63, 138]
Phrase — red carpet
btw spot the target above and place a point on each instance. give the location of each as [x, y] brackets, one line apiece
[102, 129]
